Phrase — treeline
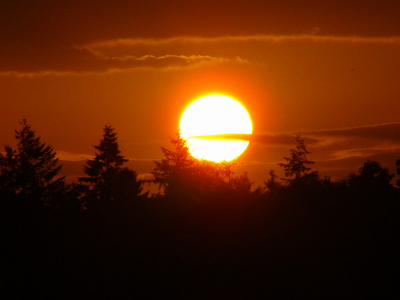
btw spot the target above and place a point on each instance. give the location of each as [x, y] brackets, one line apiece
[208, 233]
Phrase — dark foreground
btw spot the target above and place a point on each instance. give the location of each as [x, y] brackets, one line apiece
[225, 248]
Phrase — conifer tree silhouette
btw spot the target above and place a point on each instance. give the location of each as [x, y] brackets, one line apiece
[106, 160]
[398, 172]
[272, 185]
[297, 164]
[176, 169]
[180, 174]
[372, 177]
[29, 172]
[107, 180]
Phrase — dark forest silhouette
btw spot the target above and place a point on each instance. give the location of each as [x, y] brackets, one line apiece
[208, 233]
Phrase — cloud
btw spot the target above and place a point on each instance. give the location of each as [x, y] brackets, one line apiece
[267, 139]
[145, 176]
[340, 143]
[185, 58]
[354, 141]
[126, 57]
[164, 54]
[336, 152]
[342, 167]
[34, 74]
[199, 50]
[386, 131]
[282, 139]
[68, 156]
[364, 152]
[180, 63]
[130, 63]
[135, 42]
[362, 141]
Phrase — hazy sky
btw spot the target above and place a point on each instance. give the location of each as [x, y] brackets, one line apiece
[326, 69]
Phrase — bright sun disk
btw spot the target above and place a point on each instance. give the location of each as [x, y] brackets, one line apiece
[206, 119]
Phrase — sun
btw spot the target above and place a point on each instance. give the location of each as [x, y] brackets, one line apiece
[210, 124]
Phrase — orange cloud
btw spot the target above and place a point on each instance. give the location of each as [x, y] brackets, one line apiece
[134, 42]
[130, 63]
[340, 143]
[64, 155]
[165, 54]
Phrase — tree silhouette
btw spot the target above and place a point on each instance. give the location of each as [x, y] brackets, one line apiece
[107, 160]
[272, 185]
[180, 174]
[398, 171]
[241, 185]
[174, 173]
[372, 179]
[297, 164]
[29, 171]
[107, 180]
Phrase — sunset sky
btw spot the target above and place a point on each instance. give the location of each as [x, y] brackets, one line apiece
[329, 70]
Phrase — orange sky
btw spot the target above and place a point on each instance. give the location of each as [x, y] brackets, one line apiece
[326, 69]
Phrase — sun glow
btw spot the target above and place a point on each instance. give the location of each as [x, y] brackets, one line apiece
[205, 122]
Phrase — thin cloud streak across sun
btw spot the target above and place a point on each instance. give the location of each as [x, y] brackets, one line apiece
[386, 131]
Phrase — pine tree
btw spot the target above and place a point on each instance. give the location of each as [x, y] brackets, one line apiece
[398, 172]
[175, 171]
[179, 174]
[29, 172]
[372, 177]
[107, 180]
[297, 164]
[272, 185]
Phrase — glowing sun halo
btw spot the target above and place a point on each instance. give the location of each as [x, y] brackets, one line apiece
[206, 120]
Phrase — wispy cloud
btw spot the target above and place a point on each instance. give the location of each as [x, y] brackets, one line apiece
[190, 59]
[383, 132]
[186, 58]
[340, 143]
[243, 38]
[64, 155]
[162, 63]
[168, 54]
[336, 152]
[386, 131]
[44, 73]
[269, 139]
[362, 141]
